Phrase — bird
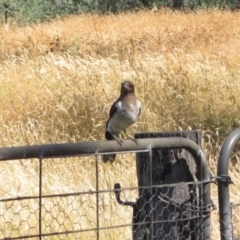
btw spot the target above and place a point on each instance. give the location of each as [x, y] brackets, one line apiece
[123, 113]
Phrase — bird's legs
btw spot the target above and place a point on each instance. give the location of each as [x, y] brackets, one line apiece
[129, 137]
[119, 141]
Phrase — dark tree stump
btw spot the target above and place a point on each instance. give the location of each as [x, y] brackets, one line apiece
[165, 211]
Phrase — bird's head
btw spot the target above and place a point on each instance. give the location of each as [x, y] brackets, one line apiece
[127, 87]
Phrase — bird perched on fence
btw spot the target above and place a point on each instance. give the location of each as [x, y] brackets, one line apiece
[123, 113]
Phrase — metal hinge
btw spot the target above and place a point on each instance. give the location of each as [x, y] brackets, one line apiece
[223, 178]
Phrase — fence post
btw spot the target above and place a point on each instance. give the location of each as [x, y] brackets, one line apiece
[160, 212]
[223, 184]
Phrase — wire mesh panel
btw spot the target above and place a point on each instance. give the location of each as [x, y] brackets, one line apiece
[80, 197]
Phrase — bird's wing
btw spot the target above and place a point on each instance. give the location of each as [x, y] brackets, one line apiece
[113, 109]
[112, 112]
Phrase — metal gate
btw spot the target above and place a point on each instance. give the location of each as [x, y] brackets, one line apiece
[226, 208]
[85, 214]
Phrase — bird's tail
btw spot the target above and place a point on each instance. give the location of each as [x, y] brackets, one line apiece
[109, 157]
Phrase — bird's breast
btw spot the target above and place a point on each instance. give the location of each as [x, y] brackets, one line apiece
[122, 119]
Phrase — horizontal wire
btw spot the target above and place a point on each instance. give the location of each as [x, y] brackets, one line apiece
[19, 198]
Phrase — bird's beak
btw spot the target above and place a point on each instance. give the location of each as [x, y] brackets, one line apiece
[123, 84]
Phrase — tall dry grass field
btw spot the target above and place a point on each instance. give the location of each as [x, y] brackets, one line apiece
[58, 80]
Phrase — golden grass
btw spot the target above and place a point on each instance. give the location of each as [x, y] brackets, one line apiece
[58, 80]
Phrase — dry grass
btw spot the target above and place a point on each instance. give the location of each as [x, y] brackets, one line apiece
[58, 80]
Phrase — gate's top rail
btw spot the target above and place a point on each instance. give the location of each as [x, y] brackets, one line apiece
[103, 147]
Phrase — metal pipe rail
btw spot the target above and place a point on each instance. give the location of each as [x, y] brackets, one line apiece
[223, 184]
[101, 147]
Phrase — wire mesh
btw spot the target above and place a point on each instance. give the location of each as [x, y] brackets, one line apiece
[95, 213]
[235, 209]
[73, 216]
[78, 198]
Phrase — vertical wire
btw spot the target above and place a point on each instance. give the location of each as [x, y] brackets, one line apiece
[150, 159]
[40, 198]
[151, 191]
[201, 204]
[97, 196]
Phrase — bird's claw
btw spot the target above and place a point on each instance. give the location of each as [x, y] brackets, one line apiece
[120, 141]
[133, 139]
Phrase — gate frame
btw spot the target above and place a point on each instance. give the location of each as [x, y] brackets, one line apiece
[223, 179]
[104, 147]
